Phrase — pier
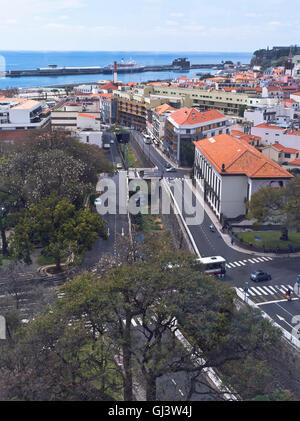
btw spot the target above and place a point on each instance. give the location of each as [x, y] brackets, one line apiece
[53, 70]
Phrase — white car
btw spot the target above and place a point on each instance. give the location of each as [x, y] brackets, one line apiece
[98, 201]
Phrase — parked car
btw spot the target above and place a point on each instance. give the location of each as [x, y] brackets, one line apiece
[171, 169]
[259, 275]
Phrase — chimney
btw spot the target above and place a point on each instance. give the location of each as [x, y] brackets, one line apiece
[115, 72]
[223, 167]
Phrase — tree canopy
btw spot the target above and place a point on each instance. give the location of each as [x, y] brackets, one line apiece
[56, 225]
[89, 336]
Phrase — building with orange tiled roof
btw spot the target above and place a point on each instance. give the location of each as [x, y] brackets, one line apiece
[280, 154]
[189, 124]
[229, 171]
[295, 162]
[156, 127]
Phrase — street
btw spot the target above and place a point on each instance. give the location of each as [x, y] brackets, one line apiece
[268, 295]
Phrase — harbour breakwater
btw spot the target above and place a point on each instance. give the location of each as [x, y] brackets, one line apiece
[53, 70]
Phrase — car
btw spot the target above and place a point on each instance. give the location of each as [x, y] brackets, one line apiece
[167, 165]
[98, 201]
[260, 275]
[171, 169]
[119, 166]
[112, 141]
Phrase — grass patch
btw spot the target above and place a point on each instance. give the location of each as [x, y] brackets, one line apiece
[148, 222]
[131, 159]
[271, 239]
[43, 260]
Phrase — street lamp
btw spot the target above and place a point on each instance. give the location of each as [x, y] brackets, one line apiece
[2, 229]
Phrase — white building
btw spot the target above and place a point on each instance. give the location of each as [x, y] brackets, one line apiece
[230, 171]
[89, 137]
[17, 113]
[271, 134]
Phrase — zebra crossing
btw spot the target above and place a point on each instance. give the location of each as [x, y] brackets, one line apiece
[241, 263]
[267, 293]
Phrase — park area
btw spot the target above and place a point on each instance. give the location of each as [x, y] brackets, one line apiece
[270, 240]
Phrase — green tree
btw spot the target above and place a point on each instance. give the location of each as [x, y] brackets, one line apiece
[57, 226]
[51, 161]
[278, 205]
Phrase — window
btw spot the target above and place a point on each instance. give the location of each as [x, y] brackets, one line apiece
[287, 155]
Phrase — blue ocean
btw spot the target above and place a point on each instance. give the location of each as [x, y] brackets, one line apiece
[15, 60]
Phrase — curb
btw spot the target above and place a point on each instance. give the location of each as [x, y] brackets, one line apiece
[227, 239]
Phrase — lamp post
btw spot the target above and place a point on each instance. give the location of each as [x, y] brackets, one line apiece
[2, 229]
[246, 288]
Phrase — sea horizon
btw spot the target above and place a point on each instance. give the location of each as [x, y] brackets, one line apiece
[27, 59]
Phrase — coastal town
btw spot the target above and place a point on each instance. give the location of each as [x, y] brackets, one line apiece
[230, 139]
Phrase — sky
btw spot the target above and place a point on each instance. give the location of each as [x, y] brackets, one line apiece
[148, 25]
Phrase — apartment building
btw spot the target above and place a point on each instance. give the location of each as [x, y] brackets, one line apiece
[65, 117]
[225, 102]
[186, 125]
[229, 171]
[21, 114]
[132, 107]
[271, 134]
[156, 128]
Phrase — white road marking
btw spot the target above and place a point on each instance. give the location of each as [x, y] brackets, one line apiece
[255, 260]
[180, 391]
[249, 260]
[281, 290]
[274, 302]
[251, 292]
[272, 289]
[268, 289]
[134, 322]
[260, 259]
[231, 264]
[265, 259]
[139, 320]
[242, 263]
[241, 289]
[263, 291]
[255, 290]
[236, 263]
[173, 381]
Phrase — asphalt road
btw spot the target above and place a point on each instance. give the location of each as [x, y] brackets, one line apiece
[117, 223]
[268, 295]
[175, 386]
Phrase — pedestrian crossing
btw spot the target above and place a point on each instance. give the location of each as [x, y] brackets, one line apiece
[253, 260]
[267, 293]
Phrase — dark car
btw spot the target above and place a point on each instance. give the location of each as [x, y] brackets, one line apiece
[259, 276]
[167, 165]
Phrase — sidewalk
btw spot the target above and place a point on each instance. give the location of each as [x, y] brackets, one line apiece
[227, 239]
[168, 159]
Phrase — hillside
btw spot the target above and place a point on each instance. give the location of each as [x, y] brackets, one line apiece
[277, 56]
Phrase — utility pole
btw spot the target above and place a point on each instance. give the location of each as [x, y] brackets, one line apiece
[246, 288]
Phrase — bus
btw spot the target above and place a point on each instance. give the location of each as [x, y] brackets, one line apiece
[214, 265]
[147, 139]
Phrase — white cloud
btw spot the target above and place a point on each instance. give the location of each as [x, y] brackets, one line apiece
[176, 15]
[171, 22]
[64, 17]
[253, 15]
